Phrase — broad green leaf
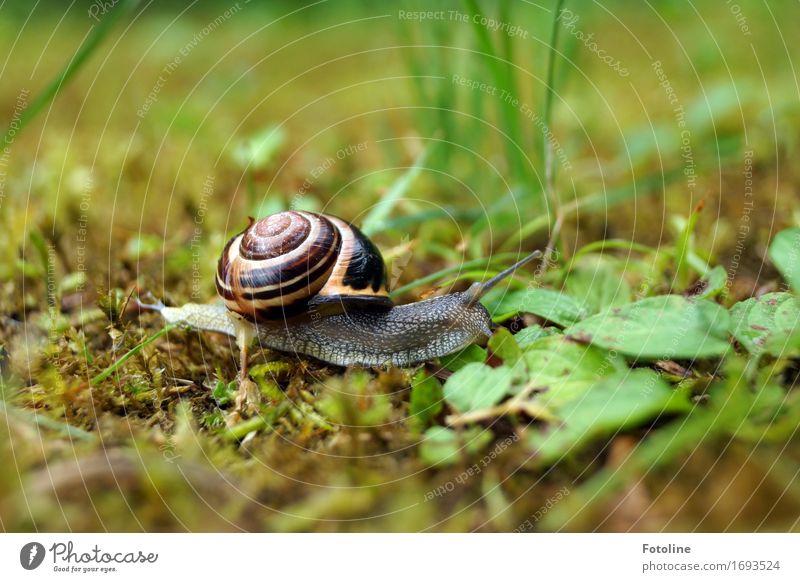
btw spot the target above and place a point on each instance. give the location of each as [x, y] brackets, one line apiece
[785, 254]
[551, 305]
[565, 368]
[767, 411]
[444, 446]
[597, 284]
[527, 336]
[504, 345]
[715, 282]
[425, 402]
[612, 405]
[477, 386]
[768, 324]
[659, 328]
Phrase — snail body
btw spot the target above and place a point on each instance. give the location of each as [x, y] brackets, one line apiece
[403, 335]
[312, 284]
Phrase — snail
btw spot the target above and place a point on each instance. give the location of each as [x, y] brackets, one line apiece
[314, 284]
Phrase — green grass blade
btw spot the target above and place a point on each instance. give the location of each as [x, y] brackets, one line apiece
[416, 67]
[86, 50]
[447, 212]
[596, 201]
[504, 79]
[612, 243]
[376, 218]
[46, 422]
[683, 249]
[549, 93]
[132, 352]
[483, 262]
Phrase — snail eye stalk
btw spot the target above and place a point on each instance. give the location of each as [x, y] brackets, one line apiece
[478, 290]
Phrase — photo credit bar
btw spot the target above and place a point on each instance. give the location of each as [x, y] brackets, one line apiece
[352, 557]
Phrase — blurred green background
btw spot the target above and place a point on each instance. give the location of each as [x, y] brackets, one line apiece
[424, 121]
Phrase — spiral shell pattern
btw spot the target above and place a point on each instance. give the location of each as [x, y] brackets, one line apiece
[284, 263]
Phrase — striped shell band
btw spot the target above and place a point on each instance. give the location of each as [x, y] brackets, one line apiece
[281, 263]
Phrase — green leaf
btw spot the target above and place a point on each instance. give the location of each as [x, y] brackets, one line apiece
[659, 328]
[596, 284]
[768, 324]
[551, 305]
[785, 253]
[504, 345]
[468, 355]
[444, 446]
[612, 405]
[476, 386]
[527, 336]
[566, 368]
[767, 411]
[224, 392]
[425, 402]
[715, 282]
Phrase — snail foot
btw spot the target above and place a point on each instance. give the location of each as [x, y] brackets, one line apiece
[248, 399]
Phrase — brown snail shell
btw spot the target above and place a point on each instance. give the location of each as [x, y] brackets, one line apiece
[290, 263]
